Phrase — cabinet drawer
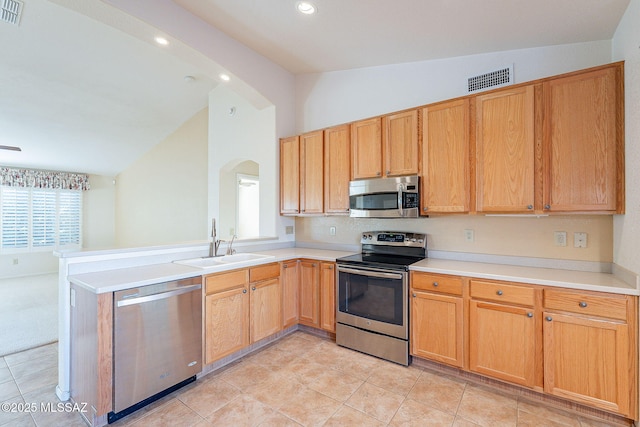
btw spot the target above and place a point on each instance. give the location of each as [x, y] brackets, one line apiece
[437, 283]
[222, 281]
[263, 272]
[502, 292]
[606, 305]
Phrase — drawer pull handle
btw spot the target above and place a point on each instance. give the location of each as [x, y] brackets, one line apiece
[582, 304]
[435, 284]
[499, 292]
[548, 318]
[529, 314]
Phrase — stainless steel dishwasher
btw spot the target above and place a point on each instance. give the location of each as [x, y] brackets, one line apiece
[157, 341]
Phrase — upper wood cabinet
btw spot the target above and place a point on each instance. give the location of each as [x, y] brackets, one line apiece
[312, 173]
[445, 158]
[290, 176]
[505, 150]
[400, 141]
[366, 149]
[584, 142]
[337, 168]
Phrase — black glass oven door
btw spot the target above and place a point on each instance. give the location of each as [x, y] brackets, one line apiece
[373, 295]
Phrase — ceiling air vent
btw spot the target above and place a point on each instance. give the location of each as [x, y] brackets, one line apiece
[11, 11]
[491, 79]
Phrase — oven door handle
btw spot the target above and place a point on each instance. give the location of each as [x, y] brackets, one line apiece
[370, 273]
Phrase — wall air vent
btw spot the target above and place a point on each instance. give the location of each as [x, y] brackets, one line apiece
[11, 11]
[490, 80]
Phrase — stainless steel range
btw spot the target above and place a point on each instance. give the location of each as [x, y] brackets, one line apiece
[372, 295]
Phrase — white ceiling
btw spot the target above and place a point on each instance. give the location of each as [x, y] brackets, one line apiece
[346, 34]
[79, 95]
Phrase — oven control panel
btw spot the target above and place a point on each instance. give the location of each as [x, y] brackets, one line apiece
[394, 238]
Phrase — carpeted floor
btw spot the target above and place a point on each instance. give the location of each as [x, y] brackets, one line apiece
[28, 312]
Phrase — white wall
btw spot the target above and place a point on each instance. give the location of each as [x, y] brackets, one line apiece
[162, 197]
[626, 46]
[333, 98]
[248, 134]
[98, 227]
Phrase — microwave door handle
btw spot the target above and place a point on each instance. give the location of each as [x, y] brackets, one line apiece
[400, 210]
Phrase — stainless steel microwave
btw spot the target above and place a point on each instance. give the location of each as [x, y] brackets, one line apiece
[397, 197]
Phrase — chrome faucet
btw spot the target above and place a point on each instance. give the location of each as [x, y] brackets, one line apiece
[214, 244]
[230, 250]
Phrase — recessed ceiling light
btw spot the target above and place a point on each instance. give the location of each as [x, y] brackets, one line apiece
[306, 7]
[162, 41]
[225, 77]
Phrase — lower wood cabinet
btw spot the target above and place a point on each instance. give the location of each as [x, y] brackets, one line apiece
[309, 307]
[289, 277]
[590, 350]
[437, 318]
[578, 345]
[239, 311]
[328, 296]
[317, 294]
[503, 331]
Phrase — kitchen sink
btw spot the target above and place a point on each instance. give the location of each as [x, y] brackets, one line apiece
[208, 262]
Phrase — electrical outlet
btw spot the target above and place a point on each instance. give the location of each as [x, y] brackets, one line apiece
[560, 238]
[579, 240]
[332, 231]
[468, 236]
[15, 261]
[288, 229]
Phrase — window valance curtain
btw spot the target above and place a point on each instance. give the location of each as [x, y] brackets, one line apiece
[43, 179]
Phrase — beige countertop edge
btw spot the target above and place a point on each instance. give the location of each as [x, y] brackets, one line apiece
[581, 280]
[132, 277]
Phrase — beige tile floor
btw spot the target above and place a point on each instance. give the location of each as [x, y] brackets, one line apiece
[299, 380]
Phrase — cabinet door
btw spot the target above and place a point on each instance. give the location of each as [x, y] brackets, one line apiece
[337, 169]
[289, 176]
[366, 149]
[581, 142]
[328, 296]
[400, 140]
[587, 360]
[445, 157]
[311, 173]
[226, 323]
[505, 151]
[502, 342]
[309, 293]
[266, 309]
[290, 282]
[437, 327]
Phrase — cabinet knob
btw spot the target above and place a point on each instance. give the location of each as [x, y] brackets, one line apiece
[425, 209]
[499, 292]
[529, 207]
[413, 295]
[582, 304]
[253, 288]
[331, 267]
[285, 266]
[435, 284]
[314, 265]
[548, 318]
[378, 173]
[388, 172]
[529, 314]
[244, 291]
[547, 206]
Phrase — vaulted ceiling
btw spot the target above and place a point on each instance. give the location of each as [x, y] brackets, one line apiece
[79, 95]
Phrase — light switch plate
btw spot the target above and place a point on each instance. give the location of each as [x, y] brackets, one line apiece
[560, 238]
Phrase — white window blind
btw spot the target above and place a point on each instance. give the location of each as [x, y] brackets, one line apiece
[40, 219]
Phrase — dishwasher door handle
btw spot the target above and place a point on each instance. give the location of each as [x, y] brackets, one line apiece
[156, 297]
